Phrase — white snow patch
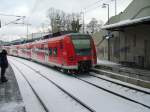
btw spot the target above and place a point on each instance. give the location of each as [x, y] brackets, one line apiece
[105, 62]
[11, 107]
[126, 22]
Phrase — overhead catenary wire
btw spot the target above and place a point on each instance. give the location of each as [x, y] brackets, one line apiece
[90, 7]
[2, 14]
[92, 4]
[13, 21]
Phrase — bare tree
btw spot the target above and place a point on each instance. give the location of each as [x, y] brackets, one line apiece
[94, 26]
[54, 17]
[61, 21]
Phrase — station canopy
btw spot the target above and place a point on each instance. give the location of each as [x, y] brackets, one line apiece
[126, 23]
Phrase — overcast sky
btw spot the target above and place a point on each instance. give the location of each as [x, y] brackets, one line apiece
[35, 12]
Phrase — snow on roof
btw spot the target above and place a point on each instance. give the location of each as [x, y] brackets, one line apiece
[127, 22]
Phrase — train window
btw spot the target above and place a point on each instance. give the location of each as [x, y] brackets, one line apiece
[82, 46]
[55, 52]
[82, 43]
[50, 51]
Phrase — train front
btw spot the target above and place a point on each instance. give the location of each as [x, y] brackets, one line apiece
[85, 52]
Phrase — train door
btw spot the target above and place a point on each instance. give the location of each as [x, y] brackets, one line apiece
[61, 58]
[42, 52]
[34, 52]
[49, 56]
[46, 52]
[55, 54]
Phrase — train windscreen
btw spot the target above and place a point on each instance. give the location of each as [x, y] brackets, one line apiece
[82, 45]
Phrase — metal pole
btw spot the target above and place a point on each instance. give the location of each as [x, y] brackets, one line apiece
[115, 7]
[0, 24]
[108, 38]
[104, 5]
[83, 22]
[27, 31]
[108, 12]
[109, 49]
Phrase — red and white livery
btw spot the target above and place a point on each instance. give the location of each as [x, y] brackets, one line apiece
[68, 52]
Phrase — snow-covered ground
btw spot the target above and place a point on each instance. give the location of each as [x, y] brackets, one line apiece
[54, 99]
[129, 93]
[105, 62]
[118, 81]
[97, 99]
[11, 107]
[116, 65]
[31, 102]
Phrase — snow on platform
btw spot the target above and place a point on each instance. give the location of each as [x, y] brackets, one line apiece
[118, 66]
[131, 75]
[106, 62]
[10, 98]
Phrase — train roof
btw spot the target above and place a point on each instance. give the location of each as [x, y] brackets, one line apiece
[77, 34]
[47, 38]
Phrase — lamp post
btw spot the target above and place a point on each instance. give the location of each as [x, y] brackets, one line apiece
[104, 6]
[115, 7]
[83, 23]
[107, 37]
[28, 30]
[0, 23]
[27, 27]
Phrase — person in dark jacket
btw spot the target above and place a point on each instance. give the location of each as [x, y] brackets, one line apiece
[3, 64]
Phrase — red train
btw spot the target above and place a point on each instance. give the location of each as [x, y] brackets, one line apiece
[70, 52]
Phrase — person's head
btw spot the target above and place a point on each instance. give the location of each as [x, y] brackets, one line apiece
[4, 52]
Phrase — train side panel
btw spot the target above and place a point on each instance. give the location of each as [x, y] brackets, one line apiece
[71, 52]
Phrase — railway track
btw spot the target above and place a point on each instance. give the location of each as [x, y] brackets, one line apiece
[113, 92]
[97, 86]
[38, 97]
[93, 74]
[52, 82]
[135, 78]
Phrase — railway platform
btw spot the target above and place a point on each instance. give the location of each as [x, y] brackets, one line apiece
[10, 97]
[140, 77]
